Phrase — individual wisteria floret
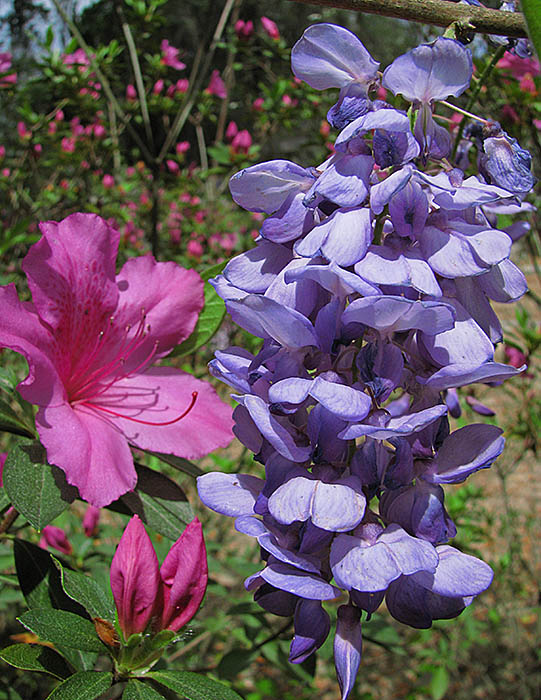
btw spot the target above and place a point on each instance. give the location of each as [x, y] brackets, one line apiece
[371, 287]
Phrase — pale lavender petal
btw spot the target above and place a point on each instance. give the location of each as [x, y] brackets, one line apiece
[347, 647]
[503, 282]
[392, 314]
[254, 270]
[291, 390]
[409, 210]
[411, 554]
[456, 575]
[388, 119]
[305, 585]
[401, 425]
[229, 494]
[463, 374]
[331, 56]
[344, 401]
[346, 181]
[364, 568]
[289, 221]
[382, 192]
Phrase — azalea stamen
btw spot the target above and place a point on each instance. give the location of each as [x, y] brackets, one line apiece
[146, 422]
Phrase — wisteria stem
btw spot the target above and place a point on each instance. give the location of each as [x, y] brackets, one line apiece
[440, 13]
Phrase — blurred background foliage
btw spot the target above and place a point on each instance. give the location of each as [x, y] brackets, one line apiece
[80, 134]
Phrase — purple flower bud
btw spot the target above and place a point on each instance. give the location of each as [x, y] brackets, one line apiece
[347, 647]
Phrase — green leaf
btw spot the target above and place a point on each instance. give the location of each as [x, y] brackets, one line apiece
[63, 628]
[11, 423]
[35, 657]
[94, 599]
[439, 683]
[193, 686]
[86, 685]
[532, 15]
[159, 502]
[39, 578]
[135, 690]
[209, 319]
[36, 489]
[234, 662]
[179, 463]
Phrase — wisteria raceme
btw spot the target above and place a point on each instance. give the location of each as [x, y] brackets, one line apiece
[371, 287]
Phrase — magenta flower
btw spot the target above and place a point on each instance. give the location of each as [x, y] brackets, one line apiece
[52, 536]
[147, 595]
[90, 339]
[90, 521]
[170, 56]
[216, 85]
[270, 28]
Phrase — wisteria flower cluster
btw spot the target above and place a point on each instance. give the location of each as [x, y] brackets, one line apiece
[371, 287]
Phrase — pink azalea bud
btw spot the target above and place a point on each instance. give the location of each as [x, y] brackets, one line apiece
[23, 131]
[38, 148]
[244, 30]
[158, 87]
[68, 145]
[99, 131]
[184, 575]
[242, 142]
[52, 128]
[270, 28]
[216, 85]
[170, 56]
[231, 131]
[3, 457]
[515, 357]
[6, 172]
[170, 92]
[135, 579]
[182, 147]
[108, 181]
[59, 116]
[173, 166]
[257, 104]
[2, 152]
[182, 85]
[131, 93]
[91, 520]
[52, 536]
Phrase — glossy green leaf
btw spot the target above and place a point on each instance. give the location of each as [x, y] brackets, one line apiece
[61, 627]
[94, 599]
[86, 685]
[532, 15]
[193, 686]
[39, 578]
[35, 657]
[159, 502]
[210, 318]
[11, 423]
[36, 489]
[136, 690]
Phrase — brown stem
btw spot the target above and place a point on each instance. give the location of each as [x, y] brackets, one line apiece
[9, 518]
[441, 13]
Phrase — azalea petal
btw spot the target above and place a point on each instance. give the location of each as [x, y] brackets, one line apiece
[91, 451]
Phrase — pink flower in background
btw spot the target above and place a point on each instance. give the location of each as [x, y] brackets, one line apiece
[244, 30]
[182, 147]
[52, 536]
[51, 129]
[158, 87]
[270, 28]
[99, 131]
[5, 65]
[527, 84]
[90, 521]
[216, 85]
[23, 131]
[2, 152]
[108, 181]
[515, 357]
[131, 93]
[257, 104]
[147, 595]
[90, 339]
[517, 66]
[182, 85]
[67, 144]
[241, 142]
[6, 172]
[77, 58]
[231, 131]
[173, 166]
[38, 148]
[194, 248]
[59, 116]
[170, 56]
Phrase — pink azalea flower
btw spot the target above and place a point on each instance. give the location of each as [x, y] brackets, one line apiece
[216, 85]
[231, 131]
[90, 521]
[52, 536]
[108, 181]
[165, 597]
[90, 338]
[182, 85]
[519, 66]
[172, 166]
[242, 142]
[170, 56]
[257, 104]
[270, 28]
[244, 30]
[5, 65]
[131, 93]
[158, 87]
[194, 248]
[2, 152]
[182, 147]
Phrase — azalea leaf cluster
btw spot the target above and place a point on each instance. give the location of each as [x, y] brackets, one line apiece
[371, 286]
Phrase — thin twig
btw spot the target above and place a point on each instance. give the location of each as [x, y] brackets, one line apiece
[9, 518]
[441, 13]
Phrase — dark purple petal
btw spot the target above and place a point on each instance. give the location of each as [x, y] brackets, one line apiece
[312, 626]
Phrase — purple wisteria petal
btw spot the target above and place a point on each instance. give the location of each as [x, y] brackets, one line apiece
[409, 210]
[507, 164]
[336, 280]
[503, 282]
[312, 626]
[229, 494]
[462, 374]
[472, 192]
[457, 574]
[330, 56]
[336, 507]
[265, 187]
[254, 270]
[267, 318]
[347, 647]
[410, 553]
[289, 221]
[382, 264]
[343, 401]
[386, 119]
[430, 71]
[476, 303]
[434, 140]
[345, 180]
[465, 451]
[394, 147]
[413, 605]
[305, 585]
[389, 314]
[396, 427]
[382, 192]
